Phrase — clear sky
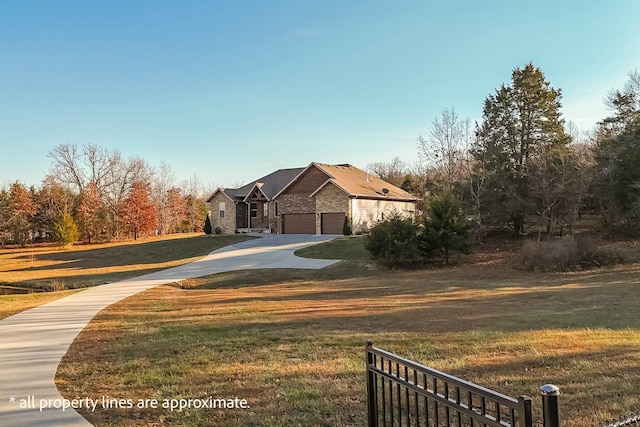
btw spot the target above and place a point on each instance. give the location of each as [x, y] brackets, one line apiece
[233, 90]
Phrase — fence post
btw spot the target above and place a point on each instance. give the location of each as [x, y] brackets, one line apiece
[550, 409]
[526, 417]
[372, 409]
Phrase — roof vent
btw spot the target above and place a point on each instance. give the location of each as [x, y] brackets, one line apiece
[385, 191]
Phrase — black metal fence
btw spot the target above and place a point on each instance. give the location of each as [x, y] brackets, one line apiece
[401, 392]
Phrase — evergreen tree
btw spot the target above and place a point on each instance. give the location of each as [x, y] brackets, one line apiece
[446, 227]
[346, 227]
[617, 153]
[394, 242]
[207, 226]
[519, 121]
[65, 230]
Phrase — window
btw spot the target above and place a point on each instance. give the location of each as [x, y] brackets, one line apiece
[275, 204]
[254, 210]
[222, 208]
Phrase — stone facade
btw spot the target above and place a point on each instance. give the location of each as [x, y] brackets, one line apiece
[226, 222]
[331, 199]
[296, 203]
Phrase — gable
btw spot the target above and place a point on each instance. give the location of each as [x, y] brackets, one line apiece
[307, 182]
[217, 193]
[256, 193]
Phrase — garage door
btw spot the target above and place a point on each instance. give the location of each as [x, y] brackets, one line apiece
[299, 224]
[332, 223]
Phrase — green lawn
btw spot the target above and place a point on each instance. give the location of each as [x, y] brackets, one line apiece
[39, 267]
[292, 342]
[347, 248]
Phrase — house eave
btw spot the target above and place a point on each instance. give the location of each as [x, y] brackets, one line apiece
[391, 198]
[219, 190]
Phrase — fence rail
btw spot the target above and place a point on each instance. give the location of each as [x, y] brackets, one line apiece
[401, 392]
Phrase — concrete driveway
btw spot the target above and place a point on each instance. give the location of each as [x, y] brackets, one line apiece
[33, 342]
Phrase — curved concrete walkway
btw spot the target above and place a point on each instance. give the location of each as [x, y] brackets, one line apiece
[33, 342]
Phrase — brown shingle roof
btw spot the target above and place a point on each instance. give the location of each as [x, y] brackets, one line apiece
[357, 182]
[270, 184]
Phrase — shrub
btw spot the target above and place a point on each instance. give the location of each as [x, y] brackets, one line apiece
[596, 254]
[346, 228]
[568, 254]
[557, 255]
[394, 242]
[446, 228]
[55, 286]
[187, 284]
[218, 230]
[207, 226]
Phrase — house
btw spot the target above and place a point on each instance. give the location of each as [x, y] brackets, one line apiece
[319, 199]
[250, 207]
[312, 200]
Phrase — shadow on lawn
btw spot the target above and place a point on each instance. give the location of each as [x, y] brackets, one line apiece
[592, 382]
[512, 335]
[77, 281]
[155, 252]
[593, 300]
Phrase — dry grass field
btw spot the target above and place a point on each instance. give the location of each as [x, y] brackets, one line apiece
[291, 342]
[46, 267]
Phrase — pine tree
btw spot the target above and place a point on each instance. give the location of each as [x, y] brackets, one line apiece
[617, 153]
[446, 228]
[65, 230]
[519, 121]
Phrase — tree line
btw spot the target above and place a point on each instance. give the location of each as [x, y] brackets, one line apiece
[524, 166]
[95, 195]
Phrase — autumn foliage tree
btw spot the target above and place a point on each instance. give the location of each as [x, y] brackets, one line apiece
[21, 209]
[137, 211]
[92, 213]
[4, 216]
[175, 210]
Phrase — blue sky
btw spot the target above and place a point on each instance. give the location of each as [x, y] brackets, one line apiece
[232, 90]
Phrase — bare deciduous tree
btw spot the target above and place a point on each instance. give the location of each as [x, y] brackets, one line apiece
[124, 174]
[443, 151]
[196, 208]
[163, 180]
[67, 165]
[393, 171]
